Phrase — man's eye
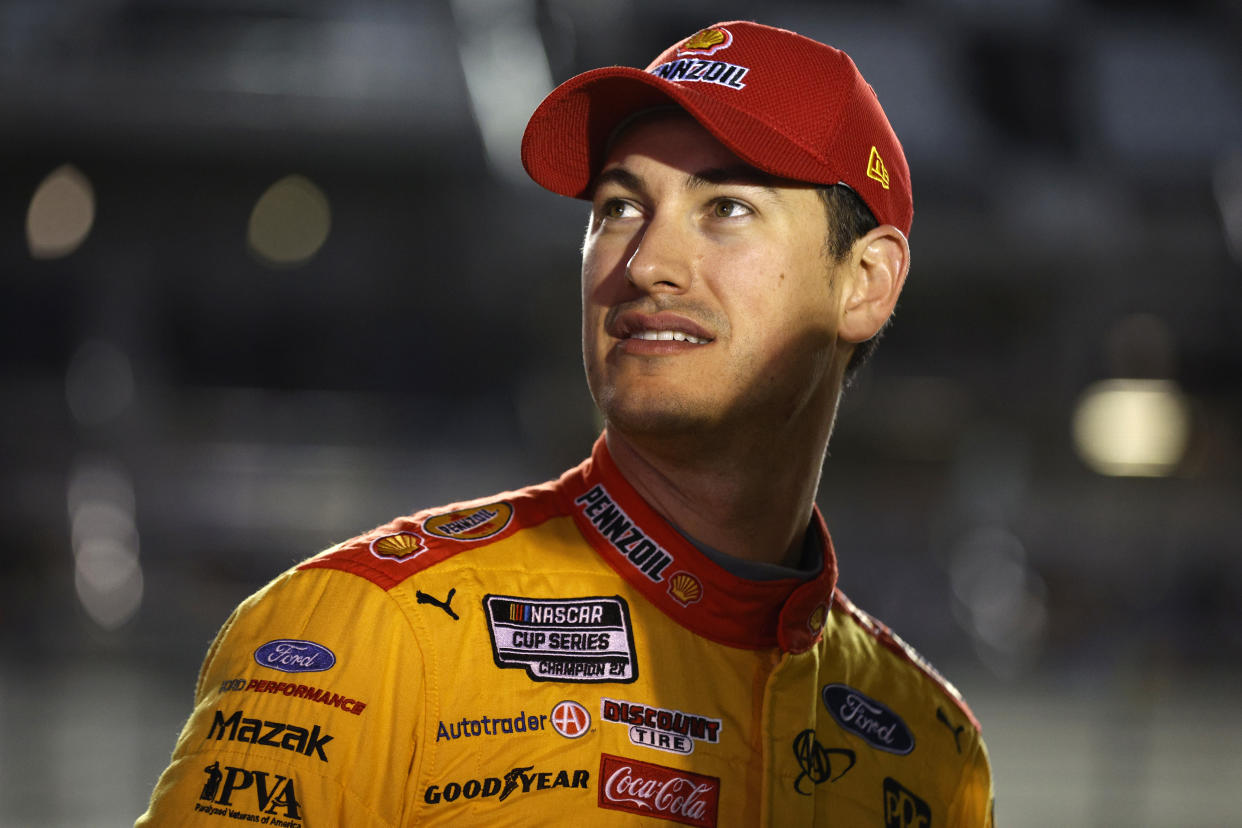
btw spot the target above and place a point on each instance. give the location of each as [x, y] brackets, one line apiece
[615, 208]
[728, 208]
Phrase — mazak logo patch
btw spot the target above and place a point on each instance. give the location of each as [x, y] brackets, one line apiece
[291, 655]
[864, 716]
[902, 809]
[273, 734]
[238, 792]
[470, 524]
[563, 639]
[654, 790]
[655, 727]
[615, 525]
[400, 546]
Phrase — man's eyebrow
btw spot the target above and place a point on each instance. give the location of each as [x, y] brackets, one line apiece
[737, 174]
[619, 176]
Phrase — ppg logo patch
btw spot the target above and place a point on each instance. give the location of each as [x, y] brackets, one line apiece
[902, 809]
[563, 639]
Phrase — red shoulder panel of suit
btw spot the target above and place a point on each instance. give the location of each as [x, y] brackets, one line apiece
[389, 554]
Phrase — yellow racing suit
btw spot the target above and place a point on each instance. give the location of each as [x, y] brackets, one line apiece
[561, 655]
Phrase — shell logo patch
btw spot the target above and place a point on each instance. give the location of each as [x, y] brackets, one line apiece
[876, 169]
[706, 42]
[398, 547]
[472, 523]
[685, 588]
[815, 621]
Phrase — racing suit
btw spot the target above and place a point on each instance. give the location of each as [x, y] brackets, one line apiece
[561, 655]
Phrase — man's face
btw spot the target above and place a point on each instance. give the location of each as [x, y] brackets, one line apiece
[709, 301]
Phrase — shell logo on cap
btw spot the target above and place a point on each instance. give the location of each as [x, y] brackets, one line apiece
[398, 547]
[470, 524]
[707, 42]
[685, 588]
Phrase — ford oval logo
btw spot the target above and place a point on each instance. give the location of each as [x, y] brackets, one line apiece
[293, 656]
[864, 716]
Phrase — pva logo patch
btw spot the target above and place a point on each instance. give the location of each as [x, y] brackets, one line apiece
[291, 655]
[470, 524]
[864, 716]
[401, 546]
[707, 42]
[273, 795]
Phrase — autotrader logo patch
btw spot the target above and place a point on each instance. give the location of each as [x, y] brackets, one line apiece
[563, 639]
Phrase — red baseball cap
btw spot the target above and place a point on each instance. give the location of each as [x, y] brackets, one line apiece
[781, 102]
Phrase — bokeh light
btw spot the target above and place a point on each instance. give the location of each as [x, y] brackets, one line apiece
[108, 576]
[1132, 427]
[290, 222]
[61, 213]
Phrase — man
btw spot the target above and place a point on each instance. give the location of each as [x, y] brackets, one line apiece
[656, 636]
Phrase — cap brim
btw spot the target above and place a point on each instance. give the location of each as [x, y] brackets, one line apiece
[566, 139]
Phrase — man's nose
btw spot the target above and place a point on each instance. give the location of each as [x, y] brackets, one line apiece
[661, 261]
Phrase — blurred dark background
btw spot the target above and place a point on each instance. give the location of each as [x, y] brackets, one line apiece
[272, 274]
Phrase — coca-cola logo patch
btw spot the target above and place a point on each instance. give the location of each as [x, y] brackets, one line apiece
[656, 791]
[864, 716]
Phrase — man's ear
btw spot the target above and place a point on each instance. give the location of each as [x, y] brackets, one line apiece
[879, 262]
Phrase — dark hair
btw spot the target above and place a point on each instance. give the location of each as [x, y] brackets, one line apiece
[849, 219]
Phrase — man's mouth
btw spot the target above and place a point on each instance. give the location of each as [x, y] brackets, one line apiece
[668, 336]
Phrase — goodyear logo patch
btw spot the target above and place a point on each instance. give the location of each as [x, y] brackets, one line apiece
[649, 557]
[698, 70]
[563, 639]
[470, 524]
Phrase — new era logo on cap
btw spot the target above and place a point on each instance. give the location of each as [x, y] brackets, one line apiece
[781, 102]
